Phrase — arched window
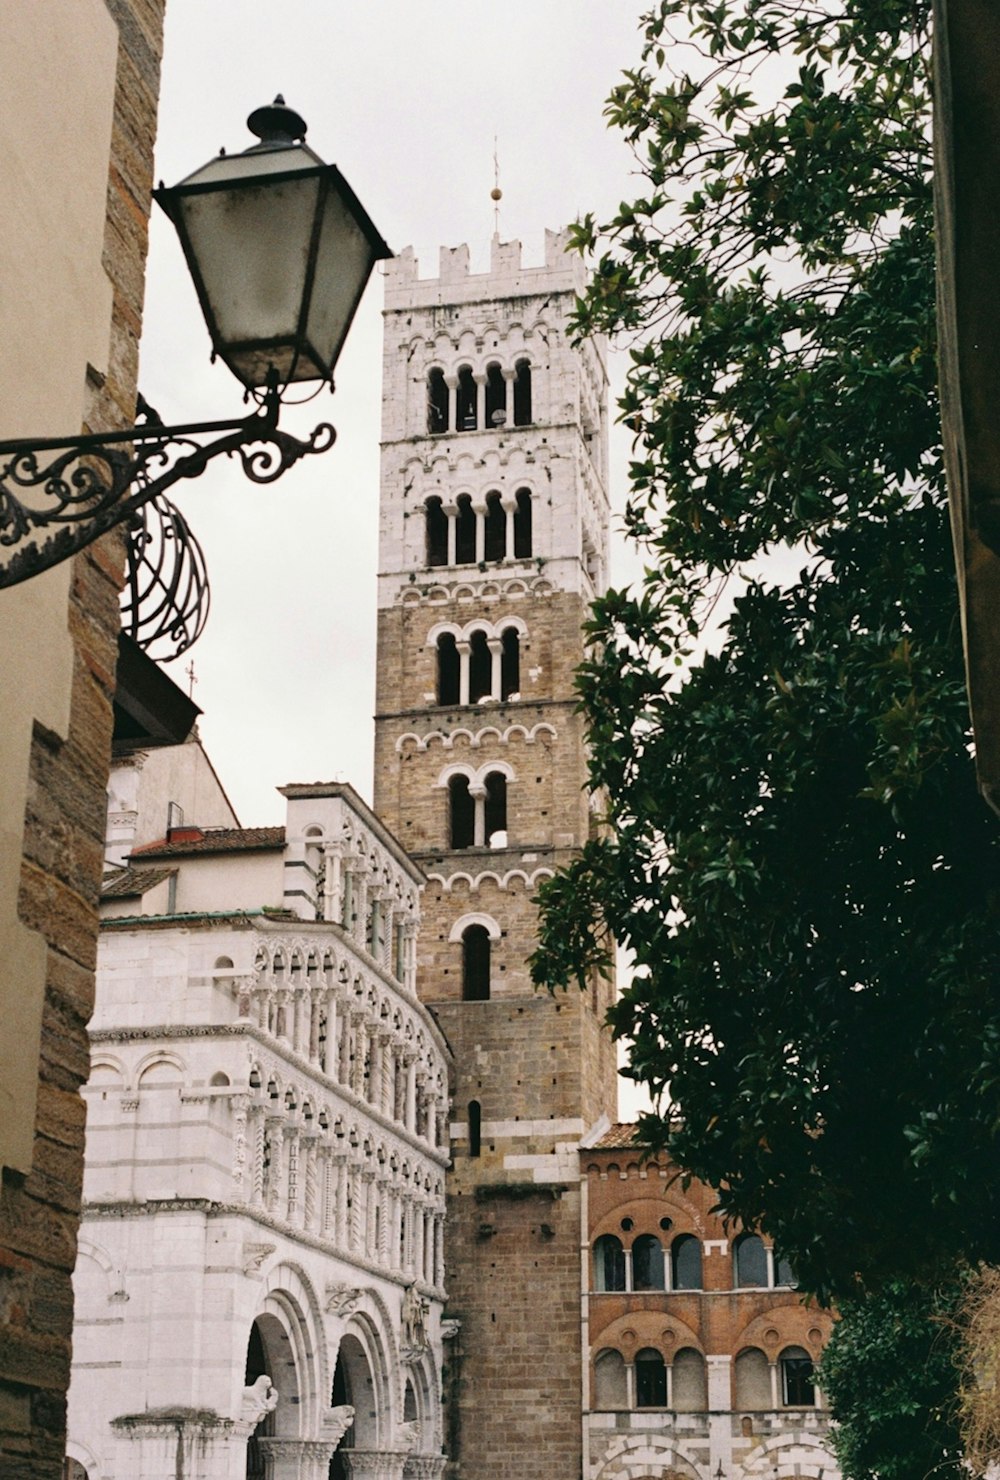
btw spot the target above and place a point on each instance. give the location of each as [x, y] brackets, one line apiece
[465, 532]
[496, 396]
[522, 525]
[510, 662]
[462, 812]
[496, 805]
[480, 668]
[475, 963]
[522, 394]
[437, 402]
[784, 1274]
[496, 528]
[797, 1388]
[449, 668]
[475, 1128]
[751, 1261]
[650, 1379]
[753, 1379]
[647, 1263]
[466, 401]
[685, 1262]
[609, 1263]
[690, 1382]
[437, 532]
[610, 1384]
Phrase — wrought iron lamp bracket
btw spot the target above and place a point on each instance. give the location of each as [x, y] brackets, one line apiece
[95, 482]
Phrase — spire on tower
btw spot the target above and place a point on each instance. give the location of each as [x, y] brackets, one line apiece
[496, 194]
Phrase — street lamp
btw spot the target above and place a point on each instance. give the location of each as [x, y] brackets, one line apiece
[280, 250]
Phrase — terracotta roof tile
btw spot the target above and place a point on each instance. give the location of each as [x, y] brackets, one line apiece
[622, 1134]
[133, 883]
[219, 840]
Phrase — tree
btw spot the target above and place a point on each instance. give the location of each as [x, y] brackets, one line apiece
[797, 857]
[890, 1371]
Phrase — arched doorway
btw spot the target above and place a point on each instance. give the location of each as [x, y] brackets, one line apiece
[269, 1354]
[353, 1383]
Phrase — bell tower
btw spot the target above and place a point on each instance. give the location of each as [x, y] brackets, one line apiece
[493, 542]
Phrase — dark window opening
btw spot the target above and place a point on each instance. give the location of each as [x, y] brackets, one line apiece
[475, 1127]
[522, 525]
[465, 532]
[480, 668]
[650, 1379]
[751, 1261]
[463, 812]
[647, 1264]
[522, 394]
[437, 533]
[685, 1261]
[448, 669]
[784, 1274]
[475, 964]
[496, 528]
[465, 411]
[797, 1389]
[609, 1263]
[339, 1396]
[510, 662]
[496, 397]
[496, 804]
[437, 402]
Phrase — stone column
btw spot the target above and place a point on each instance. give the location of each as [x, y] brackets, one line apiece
[451, 381]
[294, 1191]
[496, 671]
[508, 386]
[410, 1059]
[255, 1136]
[275, 1189]
[480, 379]
[410, 957]
[720, 1417]
[478, 795]
[439, 1250]
[341, 1230]
[509, 506]
[333, 889]
[463, 648]
[282, 1457]
[309, 1141]
[480, 512]
[451, 513]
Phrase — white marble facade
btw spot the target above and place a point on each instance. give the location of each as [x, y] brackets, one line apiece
[260, 1281]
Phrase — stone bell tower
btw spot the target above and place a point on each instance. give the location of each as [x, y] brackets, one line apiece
[493, 542]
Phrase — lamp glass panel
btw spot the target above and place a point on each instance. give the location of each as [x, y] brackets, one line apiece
[251, 245]
[343, 265]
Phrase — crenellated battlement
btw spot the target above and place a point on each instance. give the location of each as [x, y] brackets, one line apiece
[508, 277]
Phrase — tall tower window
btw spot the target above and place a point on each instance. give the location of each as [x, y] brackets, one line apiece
[475, 1127]
[685, 1263]
[437, 532]
[522, 525]
[650, 1379]
[496, 396]
[465, 532]
[496, 805]
[496, 528]
[437, 402]
[449, 668]
[465, 401]
[797, 1389]
[462, 812]
[480, 668]
[475, 964]
[522, 394]
[751, 1261]
[510, 662]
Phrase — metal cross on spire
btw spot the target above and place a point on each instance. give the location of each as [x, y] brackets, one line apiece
[496, 194]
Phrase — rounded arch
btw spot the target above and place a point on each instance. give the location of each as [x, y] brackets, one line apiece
[474, 918]
[288, 1300]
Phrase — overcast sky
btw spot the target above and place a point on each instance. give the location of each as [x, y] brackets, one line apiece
[406, 99]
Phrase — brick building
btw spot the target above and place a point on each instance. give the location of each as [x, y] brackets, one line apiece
[493, 542]
[80, 80]
[699, 1354]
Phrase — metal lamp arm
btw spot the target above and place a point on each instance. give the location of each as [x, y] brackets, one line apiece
[86, 488]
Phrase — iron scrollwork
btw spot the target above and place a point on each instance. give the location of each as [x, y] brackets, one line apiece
[86, 485]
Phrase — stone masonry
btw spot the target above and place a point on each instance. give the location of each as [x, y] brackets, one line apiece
[493, 542]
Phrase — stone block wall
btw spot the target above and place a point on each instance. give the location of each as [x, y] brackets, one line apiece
[67, 766]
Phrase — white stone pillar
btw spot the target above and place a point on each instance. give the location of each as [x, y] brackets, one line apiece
[630, 1384]
[480, 512]
[720, 1414]
[480, 379]
[509, 506]
[451, 381]
[495, 646]
[463, 649]
[451, 514]
[341, 1231]
[478, 795]
[410, 957]
[411, 1092]
[775, 1398]
[333, 890]
[508, 387]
